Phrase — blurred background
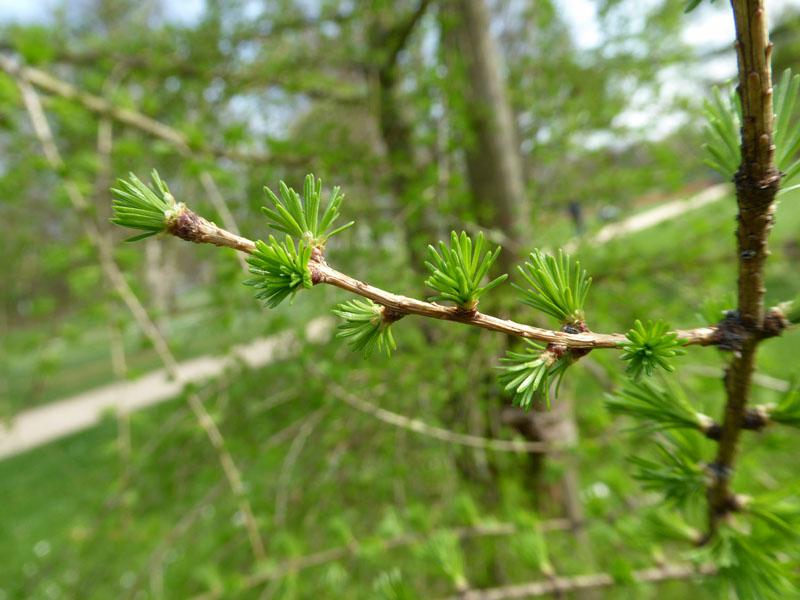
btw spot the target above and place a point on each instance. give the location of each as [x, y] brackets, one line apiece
[166, 437]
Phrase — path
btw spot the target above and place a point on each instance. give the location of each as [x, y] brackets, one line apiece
[44, 424]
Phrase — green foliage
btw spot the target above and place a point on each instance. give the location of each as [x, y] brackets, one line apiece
[692, 4]
[300, 218]
[649, 347]
[445, 551]
[280, 269]
[748, 563]
[365, 327]
[792, 311]
[390, 585]
[787, 126]
[787, 411]
[659, 408]
[529, 374]
[558, 286]
[138, 206]
[457, 271]
[723, 115]
[724, 121]
[781, 514]
[530, 545]
[676, 472]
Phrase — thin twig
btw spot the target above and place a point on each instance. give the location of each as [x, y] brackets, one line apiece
[111, 270]
[177, 139]
[583, 582]
[285, 474]
[445, 435]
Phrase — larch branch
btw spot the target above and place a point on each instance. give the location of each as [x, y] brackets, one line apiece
[192, 227]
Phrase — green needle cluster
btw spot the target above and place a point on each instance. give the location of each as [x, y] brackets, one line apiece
[280, 269]
[457, 271]
[365, 328]
[529, 374]
[557, 286]
[658, 408]
[649, 347]
[723, 116]
[300, 217]
[138, 206]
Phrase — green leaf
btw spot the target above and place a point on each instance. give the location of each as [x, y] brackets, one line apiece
[390, 585]
[556, 285]
[530, 373]
[723, 116]
[138, 206]
[365, 327]
[676, 472]
[649, 347]
[280, 269]
[457, 271]
[787, 411]
[658, 408]
[786, 133]
[749, 563]
[300, 218]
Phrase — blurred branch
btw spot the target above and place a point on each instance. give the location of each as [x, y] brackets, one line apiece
[101, 106]
[560, 585]
[398, 35]
[218, 201]
[285, 474]
[120, 285]
[445, 435]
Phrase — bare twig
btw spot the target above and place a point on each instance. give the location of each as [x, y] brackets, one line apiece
[555, 585]
[213, 193]
[445, 435]
[131, 118]
[285, 474]
[120, 285]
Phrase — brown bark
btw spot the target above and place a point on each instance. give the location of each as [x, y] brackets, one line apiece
[757, 183]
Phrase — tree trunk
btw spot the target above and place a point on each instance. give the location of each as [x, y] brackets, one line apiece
[494, 167]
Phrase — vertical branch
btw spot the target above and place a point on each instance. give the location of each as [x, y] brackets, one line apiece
[757, 182]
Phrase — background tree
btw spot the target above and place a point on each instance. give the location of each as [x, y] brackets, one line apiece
[363, 498]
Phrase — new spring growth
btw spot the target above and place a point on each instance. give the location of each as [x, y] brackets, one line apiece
[280, 269]
[528, 374]
[137, 206]
[723, 116]
[649, 347]
[457, 271]
[557, 286]
[300, 217]
[367, 326]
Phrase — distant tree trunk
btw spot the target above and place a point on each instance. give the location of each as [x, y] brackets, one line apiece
[497, 186]
[494, 167]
